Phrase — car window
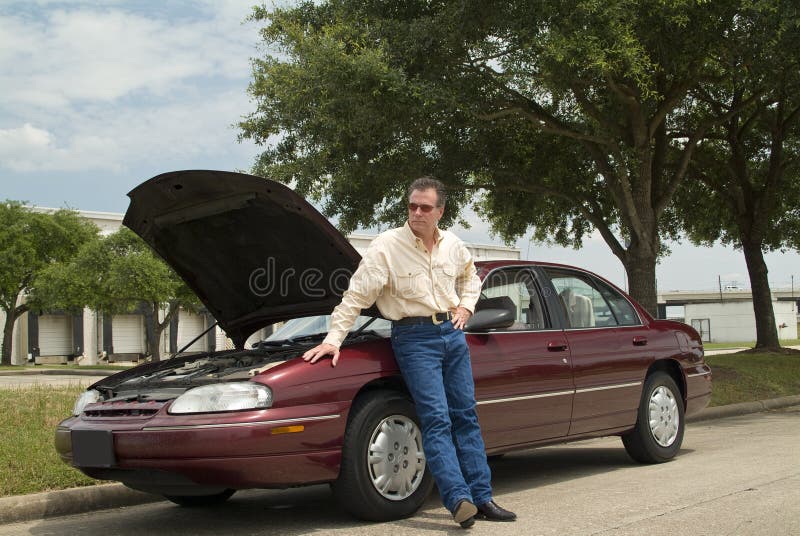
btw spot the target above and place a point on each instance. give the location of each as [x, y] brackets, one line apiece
[584, 305]
[621, 307]
[519, 286]
[311, 325]
[588, 302]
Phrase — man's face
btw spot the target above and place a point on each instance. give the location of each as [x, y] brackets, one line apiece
[421, 222]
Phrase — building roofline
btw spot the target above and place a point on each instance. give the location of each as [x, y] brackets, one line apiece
[87, 213]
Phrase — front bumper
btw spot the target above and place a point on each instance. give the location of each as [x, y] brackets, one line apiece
[266, 448]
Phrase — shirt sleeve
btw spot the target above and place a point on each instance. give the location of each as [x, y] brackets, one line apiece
[365, 285]
[468, 284]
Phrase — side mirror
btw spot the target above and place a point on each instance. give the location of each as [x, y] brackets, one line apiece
[490, 319]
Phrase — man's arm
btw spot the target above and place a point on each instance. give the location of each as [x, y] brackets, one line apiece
[468, 288]
[369, 278]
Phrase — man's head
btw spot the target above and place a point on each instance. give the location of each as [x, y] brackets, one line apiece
[426, 183]
[426, 198]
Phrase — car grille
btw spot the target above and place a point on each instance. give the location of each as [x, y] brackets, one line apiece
[122, 410]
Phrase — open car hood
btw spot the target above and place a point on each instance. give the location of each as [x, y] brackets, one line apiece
[252, 250]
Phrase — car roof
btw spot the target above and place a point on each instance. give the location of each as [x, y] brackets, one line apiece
[484, 267]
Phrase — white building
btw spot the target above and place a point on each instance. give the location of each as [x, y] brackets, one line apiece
[89, 337]
[727, 316]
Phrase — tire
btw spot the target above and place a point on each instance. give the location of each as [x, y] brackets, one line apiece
[383, 475]
[196, 501]
[658, 433]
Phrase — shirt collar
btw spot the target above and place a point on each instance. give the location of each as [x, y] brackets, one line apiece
[437, 234]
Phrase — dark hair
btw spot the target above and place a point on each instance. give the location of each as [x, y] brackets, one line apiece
[427, 182]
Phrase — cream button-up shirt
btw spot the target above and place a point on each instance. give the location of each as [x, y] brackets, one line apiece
[400, 276]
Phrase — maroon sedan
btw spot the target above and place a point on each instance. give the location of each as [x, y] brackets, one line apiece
[558, 354]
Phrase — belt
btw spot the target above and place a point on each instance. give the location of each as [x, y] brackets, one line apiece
[435, 318]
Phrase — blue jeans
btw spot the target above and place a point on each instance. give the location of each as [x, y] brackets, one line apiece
[434, 361]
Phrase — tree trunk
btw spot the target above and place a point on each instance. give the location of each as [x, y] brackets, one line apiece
[153, 333]
[8, 337]
[159, 328]
[153, 342]
[641, 272]
[766, 331]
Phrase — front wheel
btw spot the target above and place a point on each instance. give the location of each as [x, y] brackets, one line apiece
[383, 475]
[658, 434]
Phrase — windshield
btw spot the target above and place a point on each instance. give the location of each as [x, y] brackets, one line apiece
[312, 325]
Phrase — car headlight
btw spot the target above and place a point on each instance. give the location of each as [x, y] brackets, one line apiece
[87, 397]
[223, 397]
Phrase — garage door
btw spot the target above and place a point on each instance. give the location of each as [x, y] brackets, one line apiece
[127, 332]
[190, 326]
[55, 335]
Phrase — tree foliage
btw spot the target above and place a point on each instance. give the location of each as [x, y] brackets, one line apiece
[746, 173]
[32, 242]
[559, 114]
[744, 186]
[118, 274]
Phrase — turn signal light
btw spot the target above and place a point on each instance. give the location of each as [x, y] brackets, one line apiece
[287, 429]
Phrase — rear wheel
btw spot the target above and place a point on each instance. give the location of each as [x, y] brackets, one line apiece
[201, 500]
[658, 434]
[383, 474]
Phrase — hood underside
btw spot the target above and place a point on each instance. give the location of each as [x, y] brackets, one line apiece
[252, 250]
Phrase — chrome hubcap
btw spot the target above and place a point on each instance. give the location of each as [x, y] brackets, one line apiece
[664, 417]
[395, 458]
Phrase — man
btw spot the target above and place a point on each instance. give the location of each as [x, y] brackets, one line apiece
[423, 279]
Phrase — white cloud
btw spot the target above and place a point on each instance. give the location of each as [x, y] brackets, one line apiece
[88, 55]
[27, 135]
[104, 88]
[29, 148]
[106, 137]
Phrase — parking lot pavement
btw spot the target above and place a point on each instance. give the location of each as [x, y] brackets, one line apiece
[738, 475]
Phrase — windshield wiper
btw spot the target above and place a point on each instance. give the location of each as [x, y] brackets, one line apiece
[279, 342]
[305, 338]
[361, 334]
[357, 332]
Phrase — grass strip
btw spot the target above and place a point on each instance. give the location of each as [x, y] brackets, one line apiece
[745, 344]
[28, 460]
[18, 368]
[750, 377]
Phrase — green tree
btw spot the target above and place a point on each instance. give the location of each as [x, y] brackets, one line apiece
[116, 275]
[559, 114]
[32, 242]
[744, 186]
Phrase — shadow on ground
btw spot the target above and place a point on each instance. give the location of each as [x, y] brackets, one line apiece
[313, 509]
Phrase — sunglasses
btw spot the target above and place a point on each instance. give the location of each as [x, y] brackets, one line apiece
[412, 207]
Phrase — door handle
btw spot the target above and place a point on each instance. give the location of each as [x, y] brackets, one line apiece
[639, 341]
[556, 346]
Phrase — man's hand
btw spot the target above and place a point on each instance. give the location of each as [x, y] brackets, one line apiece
[322, 350]
[460, 317]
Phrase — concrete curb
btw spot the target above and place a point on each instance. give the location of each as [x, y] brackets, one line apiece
[70, 501]
[79, 500]
[743, 408]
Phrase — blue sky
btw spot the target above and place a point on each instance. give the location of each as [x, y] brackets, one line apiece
[100, 96]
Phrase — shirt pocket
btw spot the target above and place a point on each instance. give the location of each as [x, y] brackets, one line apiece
[446, 276]
[411, 286]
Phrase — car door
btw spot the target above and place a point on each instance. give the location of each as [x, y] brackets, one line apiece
[608, 345]
[522, 373]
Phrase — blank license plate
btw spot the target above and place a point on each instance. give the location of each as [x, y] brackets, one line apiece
[93, 448]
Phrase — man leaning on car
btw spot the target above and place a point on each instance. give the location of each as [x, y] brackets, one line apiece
[423, 279]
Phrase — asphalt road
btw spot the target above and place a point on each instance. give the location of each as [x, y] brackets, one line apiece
[739, 475]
